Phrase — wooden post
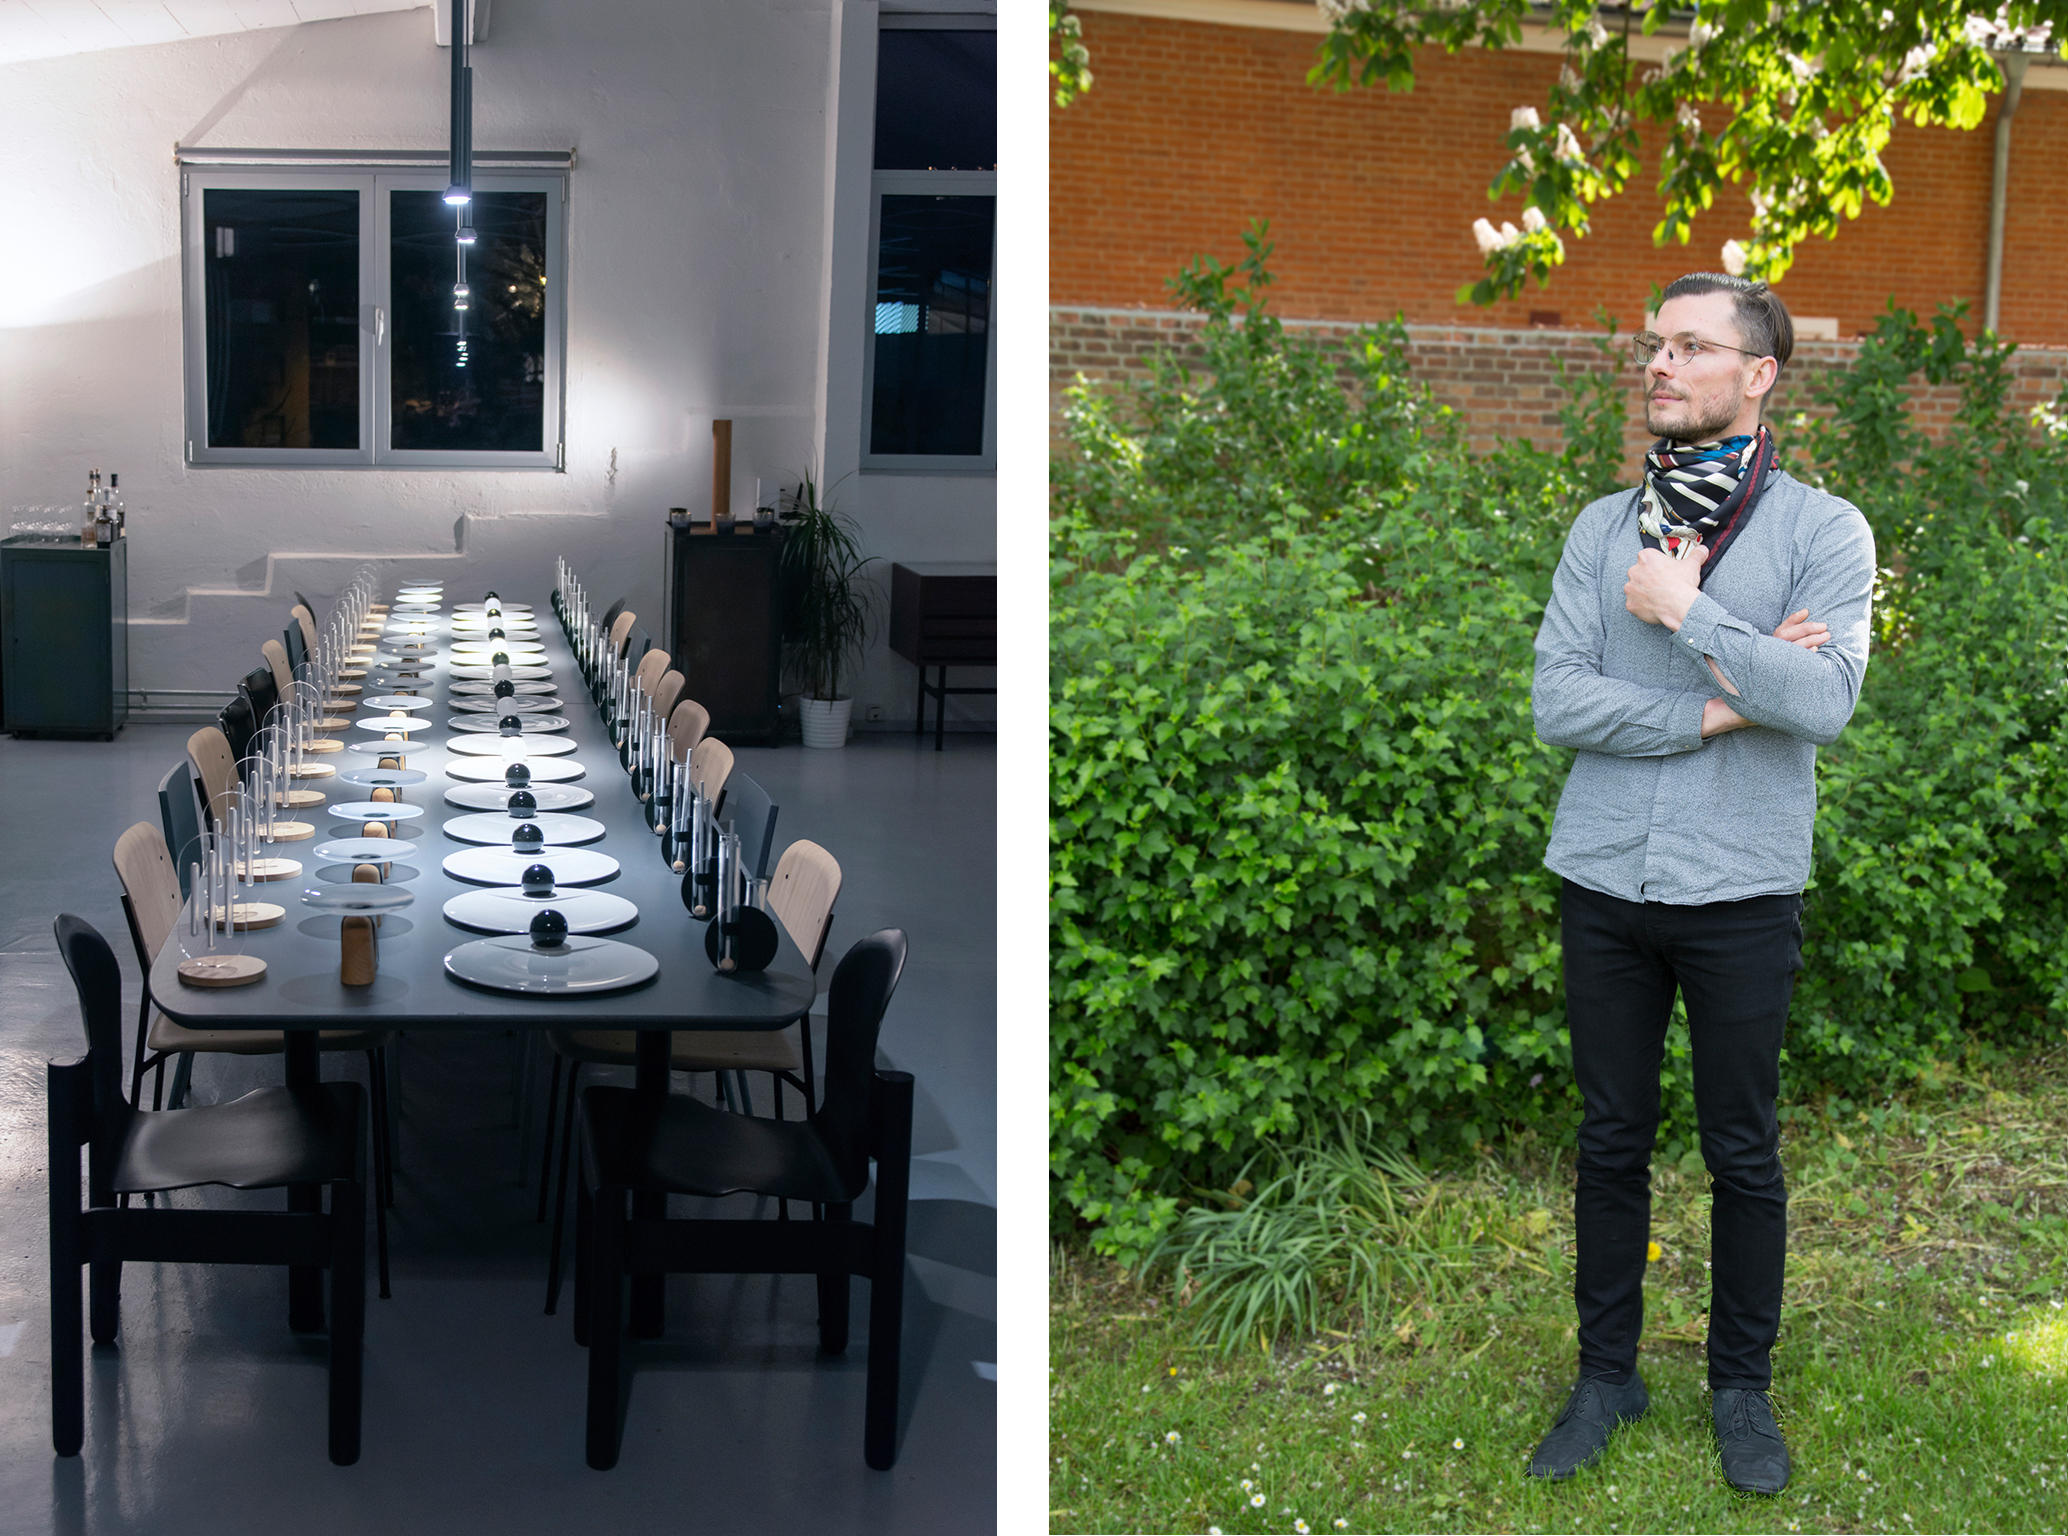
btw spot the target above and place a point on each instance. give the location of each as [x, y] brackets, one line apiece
[721, 470]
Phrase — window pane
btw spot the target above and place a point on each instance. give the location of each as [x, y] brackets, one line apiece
[472, 379]
[933, 310]
[936, 100]
[281, 271]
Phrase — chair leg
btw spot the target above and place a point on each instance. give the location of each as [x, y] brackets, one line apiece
[746, 1093]
[182, 1079]
[67, 1353]
[347, 1317]
[377, 1093]
[584, 1258]
[158, 1083]
[391, 1076]
[104, 1289]
[606, 1326]
[887, 1271]
[574, 1072]
[833, 1290]
[546, 1159]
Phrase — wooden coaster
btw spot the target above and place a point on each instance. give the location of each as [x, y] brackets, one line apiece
[350, 672]
[335, 722]
[297, 799]
[291, 831]
[254, 914]
[226, 971]
[273, 869]
[322, 745]
[314, 771]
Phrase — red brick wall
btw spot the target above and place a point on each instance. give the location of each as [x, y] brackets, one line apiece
[1190, 130]
[1504, 381]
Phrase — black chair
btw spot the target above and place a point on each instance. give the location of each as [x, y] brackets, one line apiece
[297, 649]
[637, 643]
[261, 691]
[753, 816]
[266, 1140]
[238, 725]
[677, 1145]
[179, 814]
[610, 615]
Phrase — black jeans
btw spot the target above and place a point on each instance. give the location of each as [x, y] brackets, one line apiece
[1735, 963]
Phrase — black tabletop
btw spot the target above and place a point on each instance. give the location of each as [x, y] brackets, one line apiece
[301, 990]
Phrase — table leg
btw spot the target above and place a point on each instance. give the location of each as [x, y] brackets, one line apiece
[304, 1282]
[648, 1291]
[919, 716]
[940, 706]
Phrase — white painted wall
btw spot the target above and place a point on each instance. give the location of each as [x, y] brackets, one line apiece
[701, 226]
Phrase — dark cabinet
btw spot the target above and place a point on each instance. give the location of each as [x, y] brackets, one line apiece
[721, 625]
[64, 637]
[944, 613]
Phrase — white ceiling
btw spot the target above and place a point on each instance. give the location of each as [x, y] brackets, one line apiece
[48, 29]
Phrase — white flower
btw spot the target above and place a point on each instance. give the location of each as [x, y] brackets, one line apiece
[1569, 144]
[1734, 258]
[1524, 117]
[1568, 77]
[1510, 235]
[1336, 11]
[1532, 218]
[1172, 1438]
[1247, 1485]
[1688, 117]
[1699, 32]
[1458, 1444]
[1300, 1526]
[1597, 34]
[1488, 237]
[1329, 1390]
[1357, 1417]
[1915, 63]
[1256, 1501]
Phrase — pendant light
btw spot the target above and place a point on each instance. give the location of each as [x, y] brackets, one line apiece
[460, 191]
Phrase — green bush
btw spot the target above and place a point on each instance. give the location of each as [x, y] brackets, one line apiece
[1298, 807]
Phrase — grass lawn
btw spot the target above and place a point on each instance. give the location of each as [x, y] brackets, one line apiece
[1921, 1376]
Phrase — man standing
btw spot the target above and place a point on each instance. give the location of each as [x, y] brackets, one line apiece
[1678, 655]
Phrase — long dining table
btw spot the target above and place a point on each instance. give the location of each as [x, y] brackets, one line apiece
[301, 991]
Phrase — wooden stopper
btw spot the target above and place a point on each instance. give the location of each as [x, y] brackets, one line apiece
[384, 796]
[721, 469]
[359, 961]
[391, 762]
[378, 872]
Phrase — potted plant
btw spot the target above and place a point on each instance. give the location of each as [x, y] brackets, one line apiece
[827, 610]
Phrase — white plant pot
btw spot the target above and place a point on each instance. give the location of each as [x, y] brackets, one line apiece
[825, 721]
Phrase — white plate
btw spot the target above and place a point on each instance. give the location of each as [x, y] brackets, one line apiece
[495, 827]
[517, 704]
[375, 810]
[506, 909]
[576, 967]
[496, 797]
[500, 866]
[492, 746]
[486, 674]
[365, 850]
[381, 723]
[358, 896]
[382, 778]
[482, 607]
[489, 770]
[486, 690]
[482, 725]
[397, 701]
[383, 748]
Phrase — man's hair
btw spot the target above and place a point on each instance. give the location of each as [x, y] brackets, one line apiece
[1762, 317]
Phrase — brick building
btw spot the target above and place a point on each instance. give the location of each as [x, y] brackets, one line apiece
[1200, 118]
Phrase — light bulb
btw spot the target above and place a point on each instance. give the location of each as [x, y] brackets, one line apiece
[458, 196]
[460, 290]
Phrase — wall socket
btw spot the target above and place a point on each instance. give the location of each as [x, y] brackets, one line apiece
[875, 712]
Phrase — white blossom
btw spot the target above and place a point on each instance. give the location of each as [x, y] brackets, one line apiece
[1532, 218]
[1915, 63]
[1733, 258]
[1699, 32]
[1335, 12]
[1488, 237]
[1597, 34]
[1524, 117]
[1569, 144]
[1688, 117]
[1510, 235]
[1569, 78]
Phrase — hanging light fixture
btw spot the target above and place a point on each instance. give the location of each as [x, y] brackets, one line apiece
[465, 233]
[461, 190]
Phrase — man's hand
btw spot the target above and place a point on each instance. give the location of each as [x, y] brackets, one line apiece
[1797, 629]
[1661, 589]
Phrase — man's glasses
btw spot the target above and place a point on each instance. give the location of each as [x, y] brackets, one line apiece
[1680, 351]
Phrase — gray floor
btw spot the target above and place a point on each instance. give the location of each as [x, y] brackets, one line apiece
[208, 1415]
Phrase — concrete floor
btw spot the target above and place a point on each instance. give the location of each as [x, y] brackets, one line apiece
[209, 1415]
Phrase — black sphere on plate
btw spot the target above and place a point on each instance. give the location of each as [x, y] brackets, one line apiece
[537, 880]
[528, 838]
[523, 803]
[517, 775]
[510, 725]
[549, 929]
[497, 634]
[491, 597]
[505, 689]
[499, 659]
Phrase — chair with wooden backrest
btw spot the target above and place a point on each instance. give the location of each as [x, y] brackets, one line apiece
[801, 894]
[632, 1146]
[651, 666]
[152, 902]
[687, 723]
[281, 668]
[267, 1139]
[307, 622]
[610, 615]
[215, 769]
[667, 692]
[710, 765]
[620, 631]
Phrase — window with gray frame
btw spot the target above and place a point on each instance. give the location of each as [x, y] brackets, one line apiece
[332, 319]
[930, 364]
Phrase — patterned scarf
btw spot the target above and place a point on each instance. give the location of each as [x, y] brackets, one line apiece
[1706, 487]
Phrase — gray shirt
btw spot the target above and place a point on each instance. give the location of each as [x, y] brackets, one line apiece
[1651, 811]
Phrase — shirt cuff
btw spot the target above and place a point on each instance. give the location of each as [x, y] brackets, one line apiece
[1699, 628]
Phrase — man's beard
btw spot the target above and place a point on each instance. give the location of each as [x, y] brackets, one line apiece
[1698, 429]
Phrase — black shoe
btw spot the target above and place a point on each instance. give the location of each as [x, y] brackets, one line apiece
[1581, 1434]
[1755, 1457]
